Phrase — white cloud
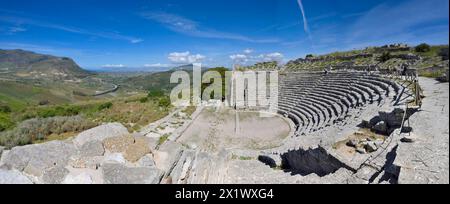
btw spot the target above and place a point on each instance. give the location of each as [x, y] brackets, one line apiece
[113, 66]
[134, 41]
[247, 58]
[185, 57]
[248, 51]
[276, 56]
[239, 58]
[157, 65]
[17, 29]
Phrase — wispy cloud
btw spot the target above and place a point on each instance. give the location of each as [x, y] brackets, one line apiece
[27, 21]
[351, 15]
[322, 17]
[305, 20]
[389, 22]
[190, 27]
[248, 51]
[16, 29]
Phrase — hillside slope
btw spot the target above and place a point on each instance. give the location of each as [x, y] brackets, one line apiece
[431, 61]
[26, 64]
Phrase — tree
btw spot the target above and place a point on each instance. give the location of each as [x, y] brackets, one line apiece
[309, 56]
[155, 93]
[104, 106]
[423, 48]
[385, 57]
[5, 109]
[164, 102]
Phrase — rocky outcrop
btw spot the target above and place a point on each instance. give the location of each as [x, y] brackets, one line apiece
[118, 144]
[121, 174]
[138, 149]
[100, 133]
[92, 149]
[105, 154]
[13, 177]
[35, 160]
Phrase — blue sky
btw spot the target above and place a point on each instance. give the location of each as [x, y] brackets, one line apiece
[152, 34]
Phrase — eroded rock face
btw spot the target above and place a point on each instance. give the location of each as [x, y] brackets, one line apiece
[100, 133]
[85, 162]
[105, 154]
[118, 144]
[55, 175]
[13, 177]
[146, 161]
[92, 149]
[114, 158]
[167, 156]
[121, 174]
[35, 159]
[137, 150]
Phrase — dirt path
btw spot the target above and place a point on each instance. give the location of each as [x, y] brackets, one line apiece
[427, 159]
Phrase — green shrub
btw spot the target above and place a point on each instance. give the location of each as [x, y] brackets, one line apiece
[164, 102]
[385, 57]
[423, 48]
[40, 128]
[155, 93]
[5, 109]
[104, 106]
[5, 122]
[143, 100]
[163, 139]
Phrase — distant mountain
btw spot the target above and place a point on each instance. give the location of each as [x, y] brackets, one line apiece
[187, 67]
[157, 80]
[33, 65]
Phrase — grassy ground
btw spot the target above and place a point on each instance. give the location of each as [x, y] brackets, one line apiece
[133, 112]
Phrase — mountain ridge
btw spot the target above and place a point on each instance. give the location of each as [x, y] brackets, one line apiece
[24, 63]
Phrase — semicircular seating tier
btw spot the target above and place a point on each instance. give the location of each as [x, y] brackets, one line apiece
[315, 100]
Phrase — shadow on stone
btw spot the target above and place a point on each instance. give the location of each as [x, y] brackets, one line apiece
[313, 161]
[268, 161]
